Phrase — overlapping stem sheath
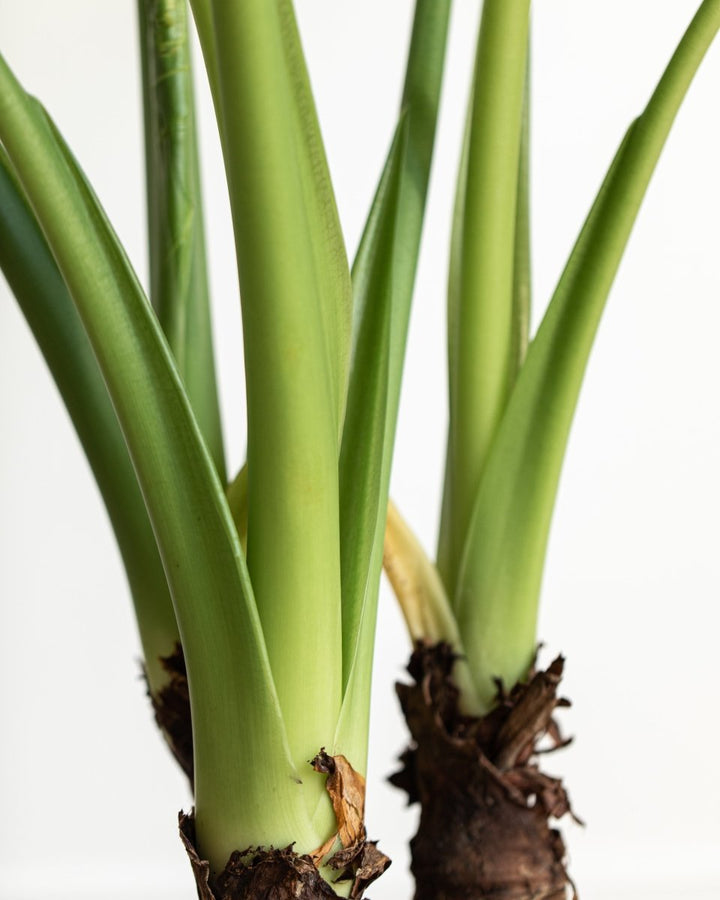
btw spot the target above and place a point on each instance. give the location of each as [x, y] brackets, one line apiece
[482, 276]
[33, 276]
[383, 279]
[241, 751]
[295, 293]
[499, 580]
[178, 276]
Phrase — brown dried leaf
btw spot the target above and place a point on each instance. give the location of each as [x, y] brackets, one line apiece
[346, 788]
[529, 718]
[371, 864]
[359, 860]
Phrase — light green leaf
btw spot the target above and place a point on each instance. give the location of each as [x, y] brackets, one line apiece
[481, 319]
[241, 751]
[502, 564]
[294, 286]
[33, 276]
[330, 256]
[365, 458]
[383, 280]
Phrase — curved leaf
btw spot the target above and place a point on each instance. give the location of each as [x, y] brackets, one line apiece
[499, 581]
[33, 276]
[241, 750]
[481, 319]
[294, 286]
[383, 281]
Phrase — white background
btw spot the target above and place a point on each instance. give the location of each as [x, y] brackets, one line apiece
[87, 792]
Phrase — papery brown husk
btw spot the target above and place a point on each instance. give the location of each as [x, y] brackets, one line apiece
[486, 807]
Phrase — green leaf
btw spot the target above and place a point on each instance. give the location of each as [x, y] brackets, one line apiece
[366, 456]
[383, 280]
[481, 350]
[328, 246]
[499, 581]
[241, 750]
[178, 276]
[294, 286]
[33, 276]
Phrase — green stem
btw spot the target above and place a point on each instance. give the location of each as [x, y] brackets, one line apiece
[241, 751]
[383, 280]
[480, 303]
[178, 276]
[499, 582]
[294, 285]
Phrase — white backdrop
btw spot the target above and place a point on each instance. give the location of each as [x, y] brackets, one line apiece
[632, 585]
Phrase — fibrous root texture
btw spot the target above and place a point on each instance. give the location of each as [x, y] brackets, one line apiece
[485, 805]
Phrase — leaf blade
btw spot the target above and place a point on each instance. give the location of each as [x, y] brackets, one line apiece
[482, 272]
[383, 281]
[34, 278]
[224, 648]
[290, 287]
[502, 565]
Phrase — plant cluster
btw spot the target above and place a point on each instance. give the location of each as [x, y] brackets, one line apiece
[256, 592]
